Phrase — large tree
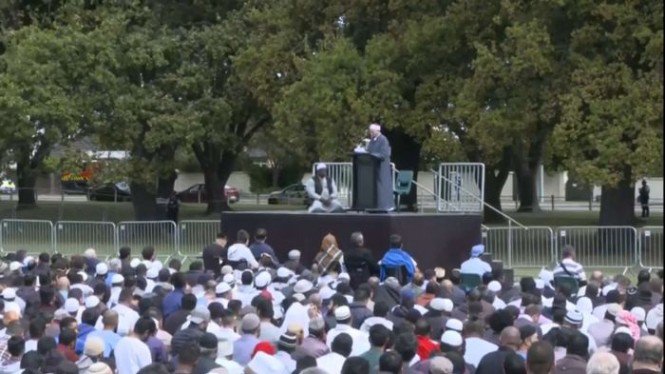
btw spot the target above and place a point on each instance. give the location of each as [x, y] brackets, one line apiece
[611, 132]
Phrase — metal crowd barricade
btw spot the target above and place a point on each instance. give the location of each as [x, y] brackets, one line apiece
[72, 237]
[531, 247]
[193, 236]
[461, 187]
[651, 247]
[163, 235]
[601, 246]
[35, 236]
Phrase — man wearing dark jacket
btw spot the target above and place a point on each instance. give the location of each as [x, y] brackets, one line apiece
[510, 340]
[199, 320]
[359, 261]
[213, 254]
[206, 362]
[359, 310]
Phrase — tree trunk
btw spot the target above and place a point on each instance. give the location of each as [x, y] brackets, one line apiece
[617, 204]
[495, 178]
[26, 179]
[144, 202]
[406, 156]
[527, 191]
[224, 171]
[164, 190]
[214, 191]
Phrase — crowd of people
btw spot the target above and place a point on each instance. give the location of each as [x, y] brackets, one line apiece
[241, 309]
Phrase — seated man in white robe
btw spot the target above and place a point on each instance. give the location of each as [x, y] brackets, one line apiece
[323, 192]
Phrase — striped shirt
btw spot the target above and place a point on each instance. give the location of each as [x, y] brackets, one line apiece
[575, 269]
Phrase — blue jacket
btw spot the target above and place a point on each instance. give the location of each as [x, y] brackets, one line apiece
[396, 257]
[84, 330]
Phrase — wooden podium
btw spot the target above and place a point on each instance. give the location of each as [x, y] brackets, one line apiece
[365, 176]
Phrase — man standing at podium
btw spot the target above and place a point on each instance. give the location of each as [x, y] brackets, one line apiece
[378, 146]
[323, 192]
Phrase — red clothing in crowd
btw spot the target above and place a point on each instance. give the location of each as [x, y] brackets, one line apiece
[426, 346]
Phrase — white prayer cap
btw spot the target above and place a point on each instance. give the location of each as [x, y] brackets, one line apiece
[91, 301]
[117, 278]
[262, 279]
[101, 268]
[283, 272]
[494, 286]
[224, 348]
[440, 304]
[83, 275]
[294, 254]
[90, 253]
[303, 286]
[454, 324]
[623, 330]
[222, 288]
[28, 260]
[72, 305]
[320, 166]
[227, 269]
[265, 363]
[452, 338]
[326, 293]
[230, 279]
[134, 263]
[375, 127]
[344, 276]
[157, 265]
[15, 265]
[9, 294]
[343, 312]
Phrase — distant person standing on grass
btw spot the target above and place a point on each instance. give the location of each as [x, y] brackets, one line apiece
[172, 207]
[643, 198]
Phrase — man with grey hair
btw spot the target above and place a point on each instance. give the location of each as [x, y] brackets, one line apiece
[603, 363]
[379, 147]
[648, 356]
[359, 261]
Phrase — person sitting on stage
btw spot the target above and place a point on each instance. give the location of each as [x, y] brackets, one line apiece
[323, 192]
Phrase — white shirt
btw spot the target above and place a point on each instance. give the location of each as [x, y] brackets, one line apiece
[575, 269]
[371, 321]
[270, 333]
[476, 349]
[127, 318]
[231, 366]
[599, 311]
[360, 339]
[239, 252]
[286, 359]
[30, 345]
[297, 313]
[226, 333]
[245, 294]
[475, 265]
[331, 362]
[135, 355]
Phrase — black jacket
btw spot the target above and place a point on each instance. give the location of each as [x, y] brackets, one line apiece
[361, 265]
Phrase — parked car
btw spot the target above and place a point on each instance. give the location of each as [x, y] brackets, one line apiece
[294, 194]
[7, 187]
[111, 192]
[197, 194]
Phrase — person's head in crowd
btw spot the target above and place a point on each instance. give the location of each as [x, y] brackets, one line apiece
[342, 344]
[242, 237]
[603, 363]
[148, 253]
[510, 337]
[648, 354]
[199, 318]
[89, 316]
[540, 358]
[514, 364]
[644, 276]
[355, 365]
[317, 328]
[528, 335]
[379, 336]
[36, 328]
[391, 362]
[304, 363]
[110, 320]
[578, 345]
[94, 347]
[591, 291]
[452, 341]
[568, 252]
[406, 345]
[357, 239]
[154, 368]
[622, 342]
[16, 346]
[499, 320]
[124, 253]
[175, 264]
[67, 338]
[187, 358]
[527, 284]
[144, 328]
[32, 362]
[208, 345]
[178, 281]
[343, 315]
[473, 328]
[68, 323]
[395, 241]
[250, 324]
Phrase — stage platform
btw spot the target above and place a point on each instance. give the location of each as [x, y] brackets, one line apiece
[432, 239]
